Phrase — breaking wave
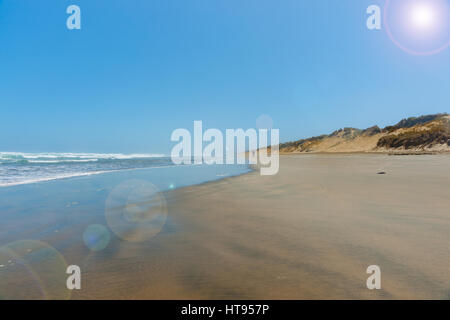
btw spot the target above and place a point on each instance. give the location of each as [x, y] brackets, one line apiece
[23, 168]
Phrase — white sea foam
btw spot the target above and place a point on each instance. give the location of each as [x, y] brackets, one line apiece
[62, 161]
[55, 177]
[23, 168]
[10, 156]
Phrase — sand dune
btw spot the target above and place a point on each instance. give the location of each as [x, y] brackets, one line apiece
[413, 135]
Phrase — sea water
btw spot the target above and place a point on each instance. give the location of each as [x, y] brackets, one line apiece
[42, 193]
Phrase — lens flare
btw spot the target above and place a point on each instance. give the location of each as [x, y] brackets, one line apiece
[422, 16]
[419, 27]
[136, 210]
[32, 270]
[96, 237]
[264, 121]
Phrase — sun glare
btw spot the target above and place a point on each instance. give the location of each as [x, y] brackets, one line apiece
[422, 16]
[419, 27]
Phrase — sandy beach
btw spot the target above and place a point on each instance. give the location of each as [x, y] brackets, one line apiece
[309, 232]
[225, 150]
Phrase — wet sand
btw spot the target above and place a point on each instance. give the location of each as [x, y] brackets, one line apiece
[309, 232]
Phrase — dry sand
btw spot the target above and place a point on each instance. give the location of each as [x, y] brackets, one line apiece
[308, 232]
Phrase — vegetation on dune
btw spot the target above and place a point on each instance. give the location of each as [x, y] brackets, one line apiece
[414, 132]
[413, 121]
[416, 138]
[371, 131]
[346, 133]
[299, 143]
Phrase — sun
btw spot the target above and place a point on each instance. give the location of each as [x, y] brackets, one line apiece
[418, 27]
[422, 16]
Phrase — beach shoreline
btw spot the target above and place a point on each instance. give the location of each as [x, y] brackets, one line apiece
[308, 232]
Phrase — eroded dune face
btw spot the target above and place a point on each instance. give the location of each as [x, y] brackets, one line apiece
[423, 134]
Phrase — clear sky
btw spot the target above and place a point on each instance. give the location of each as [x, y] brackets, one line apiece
[138, 69]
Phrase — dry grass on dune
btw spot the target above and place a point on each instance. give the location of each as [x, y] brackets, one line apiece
[422, 134]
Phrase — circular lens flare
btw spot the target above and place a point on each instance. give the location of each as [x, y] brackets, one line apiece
[136, 210]
[419, 27]
[264, 121]
[32, 270]
[96, 237]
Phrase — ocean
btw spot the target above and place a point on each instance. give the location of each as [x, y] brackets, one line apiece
[38, 183]
[46, 188]
[18, 168]
[24, 168]
[60, 203]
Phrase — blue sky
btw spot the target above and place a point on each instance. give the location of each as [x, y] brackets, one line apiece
[139, 69]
